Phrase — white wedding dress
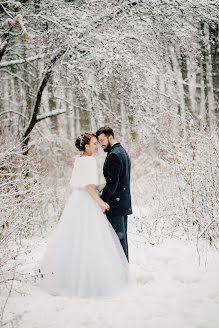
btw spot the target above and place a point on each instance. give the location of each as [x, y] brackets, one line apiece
[84, 257]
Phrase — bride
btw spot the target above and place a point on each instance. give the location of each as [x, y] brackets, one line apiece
[84, 256]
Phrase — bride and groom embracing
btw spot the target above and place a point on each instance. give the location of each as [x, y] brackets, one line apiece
[87, 254]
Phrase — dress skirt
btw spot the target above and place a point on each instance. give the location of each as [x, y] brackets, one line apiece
[84, 256]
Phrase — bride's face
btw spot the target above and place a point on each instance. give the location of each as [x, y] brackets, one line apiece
[92, 147]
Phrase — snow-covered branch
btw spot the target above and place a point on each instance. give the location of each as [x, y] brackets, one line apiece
[14, 112]
[21, 61]
[17, 77]
[50, 114]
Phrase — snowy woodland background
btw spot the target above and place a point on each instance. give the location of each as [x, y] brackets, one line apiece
[150, 70]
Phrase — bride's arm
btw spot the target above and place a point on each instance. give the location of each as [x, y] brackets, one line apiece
[104, 206]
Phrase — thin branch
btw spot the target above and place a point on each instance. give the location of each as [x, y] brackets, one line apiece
[9, 293]
[21, 61]
[18, 77]
[26, 118]
[14, 112]
[50, 114]
[206, 228]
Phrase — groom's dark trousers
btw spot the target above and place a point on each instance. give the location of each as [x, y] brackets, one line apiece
[119, 224]
[116, 193]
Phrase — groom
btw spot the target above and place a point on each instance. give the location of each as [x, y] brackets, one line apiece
[116, 193]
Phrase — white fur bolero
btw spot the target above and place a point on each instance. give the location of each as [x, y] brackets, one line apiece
[86, 172]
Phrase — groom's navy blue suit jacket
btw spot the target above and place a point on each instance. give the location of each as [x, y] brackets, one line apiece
[116, 171]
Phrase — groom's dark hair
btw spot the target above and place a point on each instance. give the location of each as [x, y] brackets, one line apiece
[106, 130]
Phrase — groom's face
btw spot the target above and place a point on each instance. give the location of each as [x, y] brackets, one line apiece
[104, 142]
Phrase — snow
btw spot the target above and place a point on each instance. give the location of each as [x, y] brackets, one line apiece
[172, 290]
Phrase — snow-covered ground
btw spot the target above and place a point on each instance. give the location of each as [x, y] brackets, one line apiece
[172, 291]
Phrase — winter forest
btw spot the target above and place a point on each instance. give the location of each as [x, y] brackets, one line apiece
[150, 70]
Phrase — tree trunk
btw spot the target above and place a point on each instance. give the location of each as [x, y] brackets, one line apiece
[68, 116]
[180, 88]
[42, 86]
[52, 105]
[211, 105]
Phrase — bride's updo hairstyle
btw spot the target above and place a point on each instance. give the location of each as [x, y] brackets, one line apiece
[84, 139]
